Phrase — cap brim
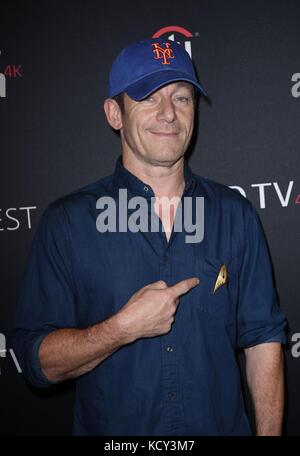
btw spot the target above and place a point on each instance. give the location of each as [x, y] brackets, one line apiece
[149, 84]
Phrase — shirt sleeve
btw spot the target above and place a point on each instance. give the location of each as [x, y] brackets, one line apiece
[47, 297]
[260, 319]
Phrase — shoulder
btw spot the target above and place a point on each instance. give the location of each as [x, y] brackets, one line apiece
[215, 191]
[75, 208]
[82, 199]
[221, 199]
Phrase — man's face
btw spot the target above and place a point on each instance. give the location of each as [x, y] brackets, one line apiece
[158, 129]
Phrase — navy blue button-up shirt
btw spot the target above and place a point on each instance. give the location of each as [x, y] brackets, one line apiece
[186, 382]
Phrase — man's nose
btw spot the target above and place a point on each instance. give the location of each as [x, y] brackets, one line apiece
[166, 110]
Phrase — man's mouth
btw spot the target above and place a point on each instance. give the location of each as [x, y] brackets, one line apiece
[165, 134]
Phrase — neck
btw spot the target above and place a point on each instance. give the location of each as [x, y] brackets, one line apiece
[165, 180]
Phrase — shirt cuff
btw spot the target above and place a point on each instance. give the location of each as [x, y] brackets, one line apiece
[36, 374]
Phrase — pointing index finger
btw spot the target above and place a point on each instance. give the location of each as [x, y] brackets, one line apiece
[184, 286]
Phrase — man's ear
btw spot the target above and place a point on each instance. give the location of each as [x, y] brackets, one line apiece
[113, 113]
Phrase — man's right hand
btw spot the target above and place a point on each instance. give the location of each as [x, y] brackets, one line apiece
[151, 310]
[70, 352]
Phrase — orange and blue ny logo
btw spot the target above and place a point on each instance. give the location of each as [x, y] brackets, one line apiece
[161, 53]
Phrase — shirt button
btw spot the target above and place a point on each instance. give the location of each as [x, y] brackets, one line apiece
[172, 396]
[169, 349]
[146, 188]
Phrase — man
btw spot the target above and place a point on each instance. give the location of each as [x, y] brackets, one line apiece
[146, 317]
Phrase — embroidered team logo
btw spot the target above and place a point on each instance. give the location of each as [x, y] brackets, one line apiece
[161, 53]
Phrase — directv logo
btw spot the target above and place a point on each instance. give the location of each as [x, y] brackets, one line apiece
[172, 29]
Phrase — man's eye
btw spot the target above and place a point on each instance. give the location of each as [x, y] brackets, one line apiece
[149, 99]
[182, 99]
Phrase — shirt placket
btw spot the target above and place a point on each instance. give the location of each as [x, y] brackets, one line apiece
[169, 354]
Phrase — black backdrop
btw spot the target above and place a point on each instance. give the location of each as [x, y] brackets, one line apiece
[54, 61]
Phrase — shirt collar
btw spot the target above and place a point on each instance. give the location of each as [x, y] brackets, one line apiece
[123, 178]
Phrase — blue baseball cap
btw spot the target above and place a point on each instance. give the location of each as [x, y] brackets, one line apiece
[145, 66]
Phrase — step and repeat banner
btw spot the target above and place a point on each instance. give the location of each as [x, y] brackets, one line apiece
[54, 64]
